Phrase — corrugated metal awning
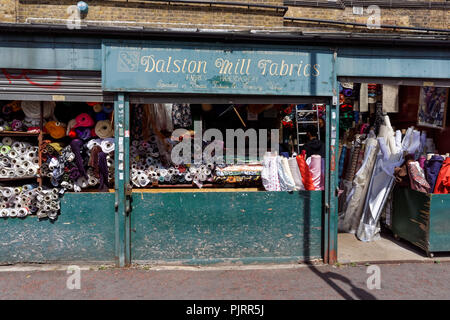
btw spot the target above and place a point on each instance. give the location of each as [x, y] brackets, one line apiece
[52, 85]
[399, 81]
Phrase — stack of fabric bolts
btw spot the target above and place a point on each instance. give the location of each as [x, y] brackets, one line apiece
[27, 200]
[87, 160]
[371, 164]
[18, 159]
[292, 174]
[147, 167]
[24, 116]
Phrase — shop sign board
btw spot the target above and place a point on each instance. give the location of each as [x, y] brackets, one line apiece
[160, 67]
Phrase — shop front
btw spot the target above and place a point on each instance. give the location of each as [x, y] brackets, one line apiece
[213, 212]
[257, 129]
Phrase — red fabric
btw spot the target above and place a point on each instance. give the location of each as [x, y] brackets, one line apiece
[305, 172]
[72, 134]
[443, 179]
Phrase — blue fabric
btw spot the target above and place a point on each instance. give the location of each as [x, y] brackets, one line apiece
[432, 168]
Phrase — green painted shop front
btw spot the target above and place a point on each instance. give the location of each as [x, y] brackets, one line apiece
[198, 227]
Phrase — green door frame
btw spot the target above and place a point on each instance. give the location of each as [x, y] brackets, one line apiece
[123, 187]
[122, 179]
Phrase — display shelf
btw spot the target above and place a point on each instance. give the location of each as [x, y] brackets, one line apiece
[17, 178]
[19, 134]
[176, 189]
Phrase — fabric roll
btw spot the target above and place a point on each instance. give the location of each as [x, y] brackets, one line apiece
[7, 141]
[305, 172]
[56, 129]
[342, 162]
[443, 179]
[83, 120]
[422, 160]
[104, 129]
[316, 171]
[417, 178]
[363, 98]
[380, 187]
[286, 184]
[432, 168]
[356, 197]
[287, 170]
[269, 173]
[32, 109]
[390, 98]
[107, 145]
[293, 166]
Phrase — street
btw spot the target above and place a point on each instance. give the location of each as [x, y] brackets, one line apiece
[398, 281]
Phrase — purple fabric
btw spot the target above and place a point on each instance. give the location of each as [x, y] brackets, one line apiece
[103, 170]
[76, 145]
[422, 160]
[16, 125]
[432, 168]
[74, 173]
[83, 133]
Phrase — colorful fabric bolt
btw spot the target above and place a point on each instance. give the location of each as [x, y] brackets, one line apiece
[443, 179]
[417, 178]
[432, 168]
[305, 172]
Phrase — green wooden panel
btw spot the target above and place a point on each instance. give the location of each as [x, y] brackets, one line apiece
[440, 223]
[422, 219]
[84, 231]
[410, 220]
[212, 227]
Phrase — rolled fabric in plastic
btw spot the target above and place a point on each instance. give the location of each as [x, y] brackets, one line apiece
[5, 149]
[5, 161]
[7, 141]
[316, 172]
[288, 174]
[12, 213]
[143, 180]
[22, 212]
[92, 181]
[107, 145]
[7, 192]
[93, 142]
[13, 154]
[4, 213]
[82, 182]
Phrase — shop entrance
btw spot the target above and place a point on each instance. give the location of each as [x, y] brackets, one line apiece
[393, 151]
[250, 206]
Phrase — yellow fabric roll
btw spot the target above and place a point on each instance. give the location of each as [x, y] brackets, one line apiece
[56, 129]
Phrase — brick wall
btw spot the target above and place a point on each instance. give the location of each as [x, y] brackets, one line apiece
[435, 18]
[151, 14]
[8, 10]
[134, 12]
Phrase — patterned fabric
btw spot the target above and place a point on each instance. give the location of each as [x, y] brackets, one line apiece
[181, 115]
[269, 173]
[417, 178]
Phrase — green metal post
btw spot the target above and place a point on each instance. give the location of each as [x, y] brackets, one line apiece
[326, 207]
[333, 172]
[122, 214]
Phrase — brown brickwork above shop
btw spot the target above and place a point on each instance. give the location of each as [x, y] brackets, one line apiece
[164, 14]
[434, 17]
[155, 14]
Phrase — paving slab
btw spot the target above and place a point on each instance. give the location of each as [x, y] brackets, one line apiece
[387, 249]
